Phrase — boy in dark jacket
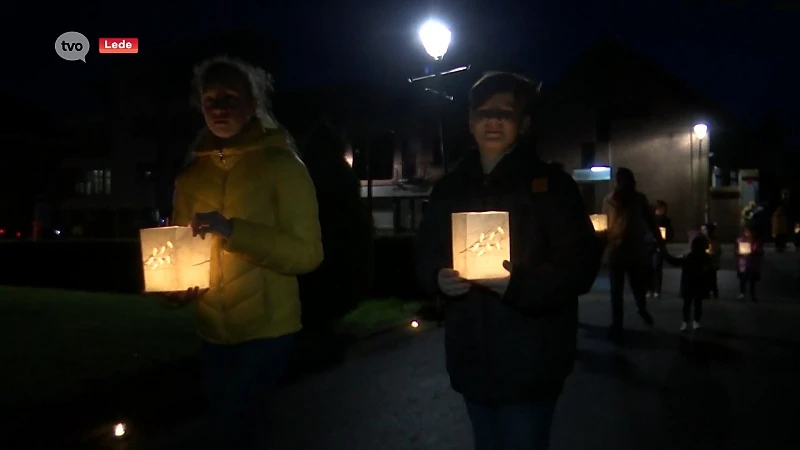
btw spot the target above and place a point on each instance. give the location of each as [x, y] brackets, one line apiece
[510, 342]
[696, 269]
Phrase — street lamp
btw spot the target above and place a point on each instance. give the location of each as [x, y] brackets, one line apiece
[435, 38]
[701, 132]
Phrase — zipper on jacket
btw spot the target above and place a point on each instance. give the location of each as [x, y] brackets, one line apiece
[220, 273]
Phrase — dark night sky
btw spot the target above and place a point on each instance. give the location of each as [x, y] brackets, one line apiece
[745, 57]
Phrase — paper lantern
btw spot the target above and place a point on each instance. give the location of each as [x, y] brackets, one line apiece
[663, 232]
[174, 260]
[481, 242]
[745, 248]
[599, 222]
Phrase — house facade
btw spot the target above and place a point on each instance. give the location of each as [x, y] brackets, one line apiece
[108, 187]
[613, 108]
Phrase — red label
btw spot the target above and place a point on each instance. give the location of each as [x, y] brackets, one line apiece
[119, 45]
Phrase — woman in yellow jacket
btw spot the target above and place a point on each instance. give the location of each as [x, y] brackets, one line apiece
[245, 188]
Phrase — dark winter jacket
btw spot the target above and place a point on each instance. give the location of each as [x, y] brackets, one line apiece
[520, 347]
[697, 269]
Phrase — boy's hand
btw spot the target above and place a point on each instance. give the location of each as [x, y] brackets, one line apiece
[451, 283]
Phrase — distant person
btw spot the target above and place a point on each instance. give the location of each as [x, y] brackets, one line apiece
[510, 343]
[709, 230]
[696, 269]
[631, 223]
[797, 237]
[246, 189]
[749, 253]
[664, 223]
[747, 212]
[780, 228]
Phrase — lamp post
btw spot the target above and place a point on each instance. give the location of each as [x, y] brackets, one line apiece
[701, 132]
[436, 38]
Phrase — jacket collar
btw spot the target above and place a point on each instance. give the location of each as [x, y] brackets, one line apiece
[520, 158]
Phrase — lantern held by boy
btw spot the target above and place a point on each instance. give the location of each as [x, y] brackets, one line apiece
[174, 260]
[599, 222]
[481, 242]
[663, 232]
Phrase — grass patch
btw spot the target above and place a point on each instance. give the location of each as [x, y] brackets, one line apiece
[376, 315]
[58, 342]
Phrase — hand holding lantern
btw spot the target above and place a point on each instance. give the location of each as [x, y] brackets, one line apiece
[498, 285]
[179, 299]
[212, 222]
[451, 283]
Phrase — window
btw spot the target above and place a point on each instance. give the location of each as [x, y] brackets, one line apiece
[95, 182]
[107, 183]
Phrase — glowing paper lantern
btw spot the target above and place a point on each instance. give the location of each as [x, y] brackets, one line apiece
[599, 222]
[174, 260]
[481, 242]
[663, 232]
[745, 248]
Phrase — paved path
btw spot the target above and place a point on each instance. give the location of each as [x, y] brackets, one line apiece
[735, 385]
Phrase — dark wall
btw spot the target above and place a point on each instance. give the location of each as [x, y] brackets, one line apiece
[101, 266]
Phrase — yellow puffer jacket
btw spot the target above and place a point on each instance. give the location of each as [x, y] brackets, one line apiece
[262, 186]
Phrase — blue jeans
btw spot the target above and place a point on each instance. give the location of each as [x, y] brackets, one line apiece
[513, 426]
[239, 381]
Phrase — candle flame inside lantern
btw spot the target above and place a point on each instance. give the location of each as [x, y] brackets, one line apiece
[119, 429]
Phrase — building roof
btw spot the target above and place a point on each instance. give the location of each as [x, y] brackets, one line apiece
[608, 67]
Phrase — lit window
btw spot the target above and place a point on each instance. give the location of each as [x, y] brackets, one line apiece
[107, 180]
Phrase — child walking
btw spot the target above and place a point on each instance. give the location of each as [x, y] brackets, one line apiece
[709, 230]
[696, 268]
[749, 253]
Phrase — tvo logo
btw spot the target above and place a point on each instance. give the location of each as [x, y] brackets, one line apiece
[72, 46]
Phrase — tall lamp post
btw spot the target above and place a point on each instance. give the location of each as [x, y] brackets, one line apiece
[435, 38]
[701, 132]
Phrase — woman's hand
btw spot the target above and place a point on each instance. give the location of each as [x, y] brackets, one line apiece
[179, 299]
[212, 222]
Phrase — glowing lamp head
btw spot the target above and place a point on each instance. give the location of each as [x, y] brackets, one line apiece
[119, 430]
[435, 38]
[414, 324]
[701, 131]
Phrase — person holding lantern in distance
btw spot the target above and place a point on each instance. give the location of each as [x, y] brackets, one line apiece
[245, 187]
[510, 342]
